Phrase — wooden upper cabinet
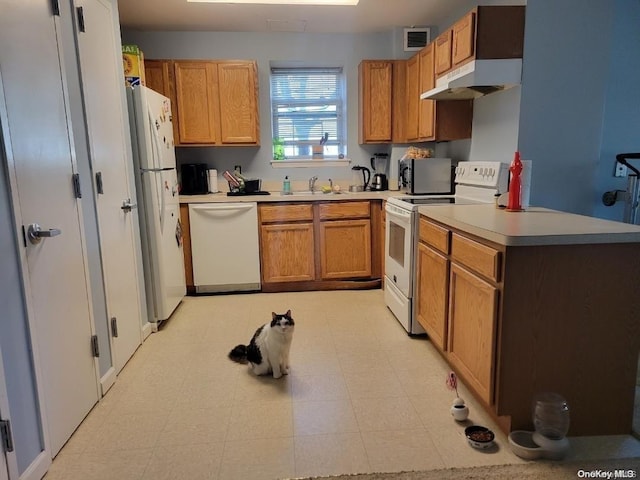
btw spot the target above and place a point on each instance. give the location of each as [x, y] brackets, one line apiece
[159, 77]
[486, 32]
[443, 52]
[399, 102]
[238, 96]
[214, 102]
[426, 118]
[375, 101]
[413, 97]
[463, 44]
[197, 104]
[157, 73]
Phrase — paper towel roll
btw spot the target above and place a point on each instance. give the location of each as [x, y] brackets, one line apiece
[525, 177]
[213, 180]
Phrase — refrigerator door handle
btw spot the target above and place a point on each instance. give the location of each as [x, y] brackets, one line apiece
[165, 169]
[156, 141]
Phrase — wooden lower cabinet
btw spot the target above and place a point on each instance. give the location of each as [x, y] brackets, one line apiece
[319, 245]
[287, 252]
[473, 306]
[345, 249]
[528, 319]
[432, 294]
[186, 247]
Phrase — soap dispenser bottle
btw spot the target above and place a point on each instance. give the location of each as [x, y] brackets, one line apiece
[286, 185]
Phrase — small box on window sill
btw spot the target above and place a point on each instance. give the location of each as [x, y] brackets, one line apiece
[317, 151]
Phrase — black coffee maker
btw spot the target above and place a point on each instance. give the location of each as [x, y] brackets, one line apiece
[379, 181]
[194, 179]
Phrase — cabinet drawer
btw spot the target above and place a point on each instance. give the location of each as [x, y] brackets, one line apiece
[434, 235]
[341, 210]
[484, 260]
[286, 213]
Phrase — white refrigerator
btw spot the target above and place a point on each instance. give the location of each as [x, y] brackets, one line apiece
[158, 201]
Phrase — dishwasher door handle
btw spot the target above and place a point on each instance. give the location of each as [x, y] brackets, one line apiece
[223, 207]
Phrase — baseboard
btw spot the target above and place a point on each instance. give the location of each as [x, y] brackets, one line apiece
[107, 380]
[146, 330]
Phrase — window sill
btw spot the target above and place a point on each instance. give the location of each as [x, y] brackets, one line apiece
[311, 163]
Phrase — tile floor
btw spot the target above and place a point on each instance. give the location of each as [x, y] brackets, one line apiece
[362, 396]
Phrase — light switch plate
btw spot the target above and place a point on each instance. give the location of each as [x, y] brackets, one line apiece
[621, 170]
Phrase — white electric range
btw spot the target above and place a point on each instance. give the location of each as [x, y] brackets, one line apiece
[475, 183]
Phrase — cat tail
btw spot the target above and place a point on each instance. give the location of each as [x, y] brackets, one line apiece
[239, 354]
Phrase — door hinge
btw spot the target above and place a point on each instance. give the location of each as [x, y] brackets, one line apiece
[114, 327]
[5, 433]
[55, 5]
[99, 185]
[94, 346]
[76, 185]
[80, 12]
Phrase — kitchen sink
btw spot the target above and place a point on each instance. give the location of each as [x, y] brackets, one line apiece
[308, 192]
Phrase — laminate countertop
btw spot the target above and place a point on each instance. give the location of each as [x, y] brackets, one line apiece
[295, 197]
[533, 226]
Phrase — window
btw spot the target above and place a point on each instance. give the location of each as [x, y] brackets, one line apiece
[307, 104]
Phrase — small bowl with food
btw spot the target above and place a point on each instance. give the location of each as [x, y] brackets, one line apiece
[479, 437]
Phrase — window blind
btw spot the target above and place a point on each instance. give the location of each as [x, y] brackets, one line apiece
[306, 104]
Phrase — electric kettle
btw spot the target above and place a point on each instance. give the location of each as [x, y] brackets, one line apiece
[357, 184]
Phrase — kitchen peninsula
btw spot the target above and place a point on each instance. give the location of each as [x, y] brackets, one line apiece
[532, 301]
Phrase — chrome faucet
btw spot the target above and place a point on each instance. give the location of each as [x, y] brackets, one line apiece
[331, 184]
[312, 183]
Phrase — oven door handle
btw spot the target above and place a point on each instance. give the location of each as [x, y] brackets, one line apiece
[398, 214]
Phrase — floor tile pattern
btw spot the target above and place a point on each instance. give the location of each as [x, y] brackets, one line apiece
[362, 396]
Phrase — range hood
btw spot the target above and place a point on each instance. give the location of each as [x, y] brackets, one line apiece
[476, 79]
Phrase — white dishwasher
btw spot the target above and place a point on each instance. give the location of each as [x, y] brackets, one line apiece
[225, 246]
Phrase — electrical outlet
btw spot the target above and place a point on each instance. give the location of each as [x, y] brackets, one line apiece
[621, 170]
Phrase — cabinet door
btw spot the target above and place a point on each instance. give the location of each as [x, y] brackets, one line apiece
[287, 252]
[472, 329]
[197, 104]
[345, 249]
[159, 77]
[186, 245]
[463, 39]
[432, 292]
[427, 82]
[413, 97]
[375, 101]
[156, 74]
[443, 52]
[238, 96]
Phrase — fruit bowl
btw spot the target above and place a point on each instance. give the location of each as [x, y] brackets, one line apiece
[479, 437]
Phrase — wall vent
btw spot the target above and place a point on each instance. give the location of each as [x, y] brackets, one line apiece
[415, 38]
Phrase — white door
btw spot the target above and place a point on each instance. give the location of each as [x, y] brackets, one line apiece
[103, 87]
[41, 165]
[6, 456]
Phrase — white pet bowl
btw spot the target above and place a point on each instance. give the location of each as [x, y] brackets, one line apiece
[522, 444]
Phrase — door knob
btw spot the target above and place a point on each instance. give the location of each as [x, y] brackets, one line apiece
[127, 205]
[35, 233]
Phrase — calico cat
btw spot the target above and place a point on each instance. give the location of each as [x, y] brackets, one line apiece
[268, 351]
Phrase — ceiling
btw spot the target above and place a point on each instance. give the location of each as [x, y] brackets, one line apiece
[367, 17]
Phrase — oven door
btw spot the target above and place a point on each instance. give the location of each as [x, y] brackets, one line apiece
[399, 247]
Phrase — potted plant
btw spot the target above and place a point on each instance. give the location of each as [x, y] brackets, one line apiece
[459, 411]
